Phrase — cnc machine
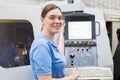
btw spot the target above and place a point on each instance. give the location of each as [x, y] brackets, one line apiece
[24, 21]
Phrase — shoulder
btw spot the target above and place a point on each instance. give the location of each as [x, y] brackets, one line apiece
[40, 40]
[40, 44]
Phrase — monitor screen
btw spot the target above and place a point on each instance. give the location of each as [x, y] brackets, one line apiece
[80, 30]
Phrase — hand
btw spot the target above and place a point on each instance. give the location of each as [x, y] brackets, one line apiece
[74, 74]
[62, 27]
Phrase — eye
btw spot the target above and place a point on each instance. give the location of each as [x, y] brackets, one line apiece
[52, 17]
[60, 18]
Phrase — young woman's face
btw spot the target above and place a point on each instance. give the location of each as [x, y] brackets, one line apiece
[53, 21]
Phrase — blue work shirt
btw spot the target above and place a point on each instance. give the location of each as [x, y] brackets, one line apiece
[46, 58]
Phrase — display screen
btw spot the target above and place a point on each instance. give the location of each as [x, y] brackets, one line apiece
[80, 30]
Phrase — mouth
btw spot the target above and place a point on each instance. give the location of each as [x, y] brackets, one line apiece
[57, 27]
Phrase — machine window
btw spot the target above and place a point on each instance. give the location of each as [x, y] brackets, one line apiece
[16, 37]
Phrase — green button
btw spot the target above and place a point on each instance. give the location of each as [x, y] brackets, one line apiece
[70, 43]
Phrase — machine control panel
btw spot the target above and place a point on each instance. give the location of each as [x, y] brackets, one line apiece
[80, 40]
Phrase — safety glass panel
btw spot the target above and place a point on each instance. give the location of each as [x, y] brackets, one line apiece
[16, 37]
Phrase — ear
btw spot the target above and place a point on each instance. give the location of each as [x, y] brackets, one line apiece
[42, 20]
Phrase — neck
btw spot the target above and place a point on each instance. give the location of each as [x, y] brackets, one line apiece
[49, 35]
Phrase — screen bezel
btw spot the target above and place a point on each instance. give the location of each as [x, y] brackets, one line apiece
[77, 18]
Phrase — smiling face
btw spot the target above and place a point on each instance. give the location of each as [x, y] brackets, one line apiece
[52, 21]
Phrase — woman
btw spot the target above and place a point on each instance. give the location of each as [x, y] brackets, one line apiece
[47, 60]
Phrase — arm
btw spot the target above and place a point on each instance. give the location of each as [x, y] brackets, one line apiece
[49, 77]
[72, 76]
[61, 38]
[61, 42]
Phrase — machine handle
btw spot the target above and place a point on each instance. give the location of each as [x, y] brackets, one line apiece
[97, 29]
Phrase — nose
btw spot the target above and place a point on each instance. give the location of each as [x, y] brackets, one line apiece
[57, 20]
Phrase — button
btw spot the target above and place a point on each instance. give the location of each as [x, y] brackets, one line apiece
[80, 42]
[70, 42]
[75, 42]
[90, 42]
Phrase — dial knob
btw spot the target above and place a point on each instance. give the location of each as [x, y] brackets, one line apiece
[72, 55]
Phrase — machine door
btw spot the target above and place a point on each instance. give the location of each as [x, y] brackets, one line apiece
[16, 37]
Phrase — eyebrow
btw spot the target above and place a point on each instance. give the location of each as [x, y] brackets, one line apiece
[55, 16]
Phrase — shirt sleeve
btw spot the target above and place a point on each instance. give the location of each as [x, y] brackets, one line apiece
[42, 61]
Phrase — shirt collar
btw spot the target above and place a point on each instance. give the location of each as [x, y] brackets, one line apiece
[51, 42]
